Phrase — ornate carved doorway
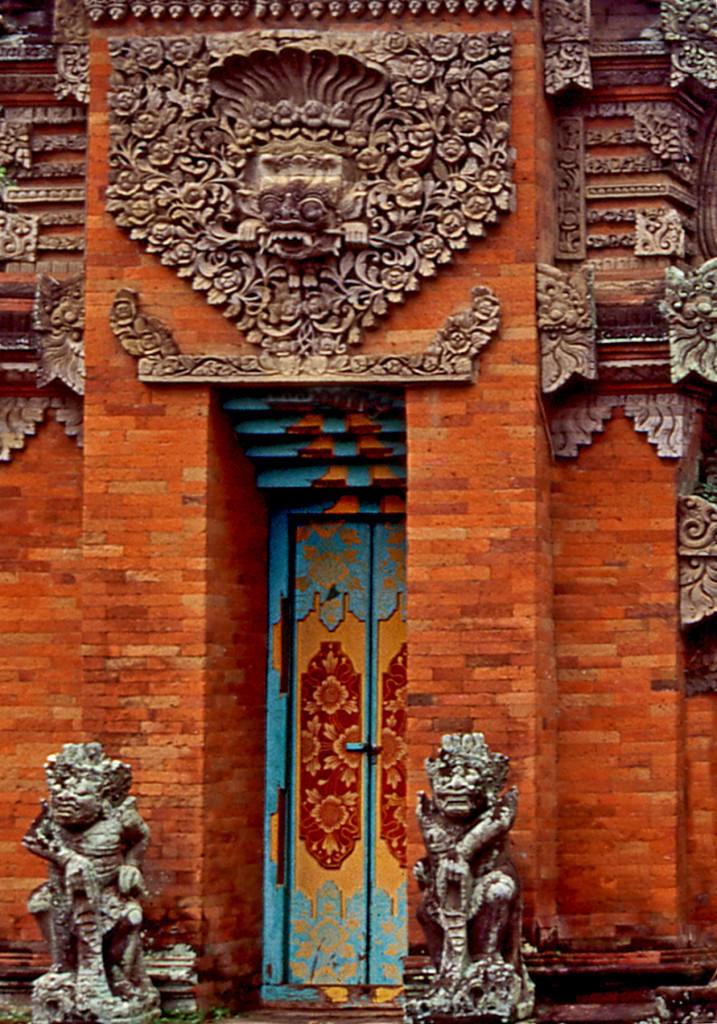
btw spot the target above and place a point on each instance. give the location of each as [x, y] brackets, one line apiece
[335, 877]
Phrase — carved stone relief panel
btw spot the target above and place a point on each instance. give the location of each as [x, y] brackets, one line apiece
[690, 307]
[566, 326]
[566, 33]
[71, 34]
[118, 10]
[690, 29]
[697, 552]
[59, 323]
[304, 182]
[18, 237]
[452, 356]
[570, 158]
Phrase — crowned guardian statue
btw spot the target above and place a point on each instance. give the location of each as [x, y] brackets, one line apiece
[471, 908]
[93, 839]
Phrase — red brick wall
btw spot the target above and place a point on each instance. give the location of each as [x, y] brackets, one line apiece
[40, 708]
[620, 738]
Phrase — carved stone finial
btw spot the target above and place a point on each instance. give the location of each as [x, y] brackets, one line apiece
[93, 839]
[566, 32]
[690, 29]
[59, 322]
[471, 910]
[305, 183]
[690, 306]
[566, 325]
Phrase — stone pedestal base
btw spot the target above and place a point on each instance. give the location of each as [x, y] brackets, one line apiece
[488, 990]
[58, 998]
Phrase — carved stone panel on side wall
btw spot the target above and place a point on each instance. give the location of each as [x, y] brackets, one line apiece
[307, 182]
[690, 29]
[570, 160]
[566, 32]
[697, 554]
[690, 307]
[566, 325]
[59, 323]
[18, 236]
[452, 356]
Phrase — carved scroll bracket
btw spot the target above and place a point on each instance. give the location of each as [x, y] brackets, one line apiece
[667, 419]
[566, 325]
[566, 33]
[20, 416]
[452, 356]
[697, 554]
[690, 307]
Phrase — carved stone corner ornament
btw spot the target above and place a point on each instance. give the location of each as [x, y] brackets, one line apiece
[697, 556]
[471, 910]
[71, 35]
[690, 29]
[117, 10]
[20, 416]
[659, 232]
[690, 307]
[59, 323]
[566, 34]
[566, 325]
[450, 357]
[667, 419]
[306, 182]
[18, 237]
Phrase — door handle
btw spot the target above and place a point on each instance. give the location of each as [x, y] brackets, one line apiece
[363, 748]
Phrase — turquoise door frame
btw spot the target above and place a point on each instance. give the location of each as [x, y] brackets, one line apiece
[382, 916]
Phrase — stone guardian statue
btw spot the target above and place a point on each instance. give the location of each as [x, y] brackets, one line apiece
[471, 911]
[93, 839]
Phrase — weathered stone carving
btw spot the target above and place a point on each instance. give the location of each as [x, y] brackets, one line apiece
[659, 232]
[59, 322]
[68, 410]
[697, 556]
[117, 10]
[667, 419]
[18, 236]
[471, 910]
[690, 29]
[307, 183]
[451, 356]
[570, 157]
[566, 325]
[566, 32]
[71, 33]
[89, 912]
[19, 416]
[15, 144]
[690, 307]
[667, 129]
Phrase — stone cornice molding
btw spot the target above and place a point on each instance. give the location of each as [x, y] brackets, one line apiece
[690, 307]
[262, 10]
[566, 35]
[452, 356]
[566, 325]
[59, 323]
[697, 557]
[690, 30]
[667, 419]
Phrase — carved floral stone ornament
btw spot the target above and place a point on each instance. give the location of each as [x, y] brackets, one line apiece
[690, 306]
[451, 356]
[306, 183]
[697, 551]
[690, 29]
[566, 325]
[59, 323]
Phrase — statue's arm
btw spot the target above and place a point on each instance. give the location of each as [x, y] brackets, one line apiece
[491, 826]
[135, 837]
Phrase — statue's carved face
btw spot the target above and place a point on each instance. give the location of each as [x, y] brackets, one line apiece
[298, 199]
[76, 799]
[458, 790]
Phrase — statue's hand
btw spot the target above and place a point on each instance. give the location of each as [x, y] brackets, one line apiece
[130, 879]
[423, 805]
[507, 807]
[80, 877]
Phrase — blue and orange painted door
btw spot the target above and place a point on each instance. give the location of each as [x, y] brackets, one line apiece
[336, 839]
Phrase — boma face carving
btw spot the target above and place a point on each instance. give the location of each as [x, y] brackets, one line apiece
[305, 181]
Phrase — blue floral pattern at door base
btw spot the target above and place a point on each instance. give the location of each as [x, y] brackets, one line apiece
[327, 948]
[388, 936]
